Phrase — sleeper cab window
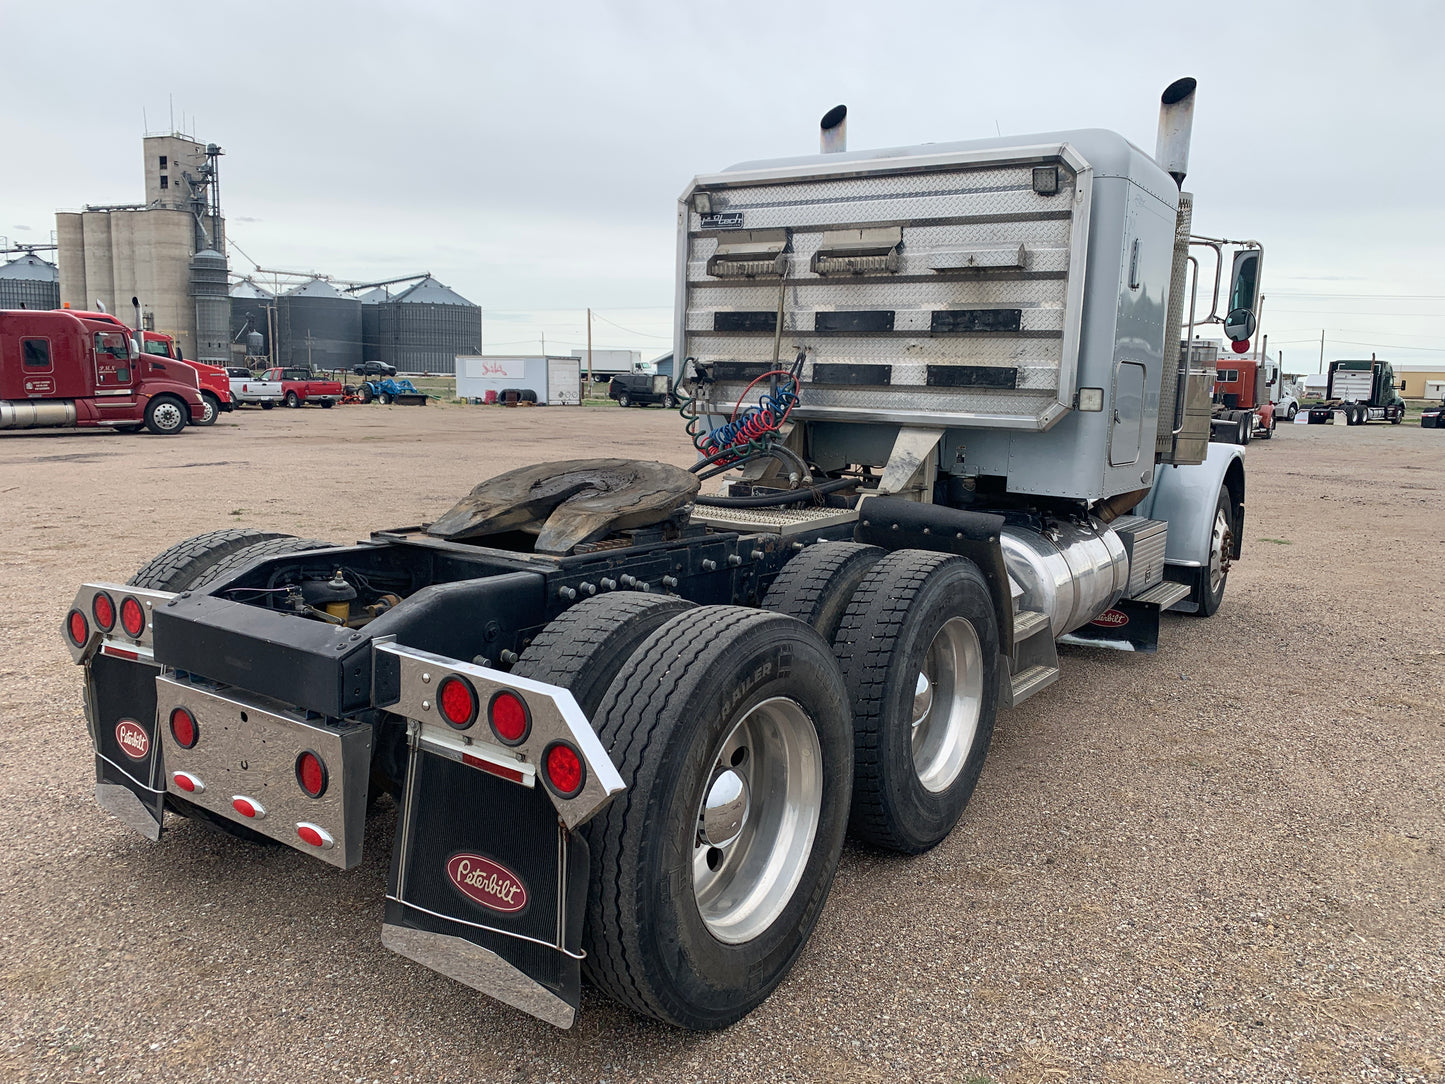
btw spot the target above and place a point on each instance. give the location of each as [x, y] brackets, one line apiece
[35, 354]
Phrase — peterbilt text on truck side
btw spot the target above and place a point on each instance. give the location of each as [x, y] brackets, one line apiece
[628, 724]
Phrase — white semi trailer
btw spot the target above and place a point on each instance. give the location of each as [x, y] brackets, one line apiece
[628, 725]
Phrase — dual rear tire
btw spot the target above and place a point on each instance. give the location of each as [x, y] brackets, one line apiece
[731, 726]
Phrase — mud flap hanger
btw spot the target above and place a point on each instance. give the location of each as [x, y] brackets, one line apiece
[407, 681]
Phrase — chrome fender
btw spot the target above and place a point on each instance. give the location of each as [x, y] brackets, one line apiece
[1184, 497]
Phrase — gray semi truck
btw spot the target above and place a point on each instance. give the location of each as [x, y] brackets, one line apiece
[628, 724]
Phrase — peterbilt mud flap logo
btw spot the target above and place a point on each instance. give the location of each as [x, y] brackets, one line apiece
[488, 883]
[133, 740]
[1111, 619]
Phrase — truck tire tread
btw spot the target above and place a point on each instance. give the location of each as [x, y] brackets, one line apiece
[635, 721]
[817, 585]
[270, 547]
[585, 646]
[865, 645]
[174, 569]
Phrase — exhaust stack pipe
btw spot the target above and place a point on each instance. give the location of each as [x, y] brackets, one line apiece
[833, 130]
[1176, 120]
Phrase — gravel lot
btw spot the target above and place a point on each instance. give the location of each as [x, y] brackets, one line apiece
[1225, 862]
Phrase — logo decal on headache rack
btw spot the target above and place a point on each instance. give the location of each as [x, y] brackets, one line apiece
[723, 220]
[134, 741]
[1111, 619]
[488, 883]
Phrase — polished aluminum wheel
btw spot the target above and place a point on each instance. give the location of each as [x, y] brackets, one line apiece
[756, 820]
[947, 698]
[1221, 542]
[168, 415]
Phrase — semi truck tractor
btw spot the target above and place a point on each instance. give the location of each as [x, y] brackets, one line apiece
[66, 369]
[1243, 406]
[1360, 392]
[942, 424]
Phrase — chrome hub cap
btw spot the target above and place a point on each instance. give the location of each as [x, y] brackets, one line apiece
[757, 820]
[947, 698]
[168, 416]
[1220, 543]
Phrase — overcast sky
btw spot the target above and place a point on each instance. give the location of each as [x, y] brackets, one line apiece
[531, 155]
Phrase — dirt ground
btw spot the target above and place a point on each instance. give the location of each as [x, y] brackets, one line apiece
[1222, 862]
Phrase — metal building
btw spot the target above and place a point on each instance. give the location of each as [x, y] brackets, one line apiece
[29, 283]
[320, 328]
[371, 303]
[253, 311]
[424, 328]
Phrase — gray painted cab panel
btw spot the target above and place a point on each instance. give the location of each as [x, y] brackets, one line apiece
[1184, 497]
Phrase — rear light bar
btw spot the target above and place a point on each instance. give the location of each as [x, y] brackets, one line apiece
[531, 728]
[114, 619]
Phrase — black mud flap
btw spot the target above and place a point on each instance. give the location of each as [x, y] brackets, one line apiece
[488, 887]
[1130, 625]
[130, 778]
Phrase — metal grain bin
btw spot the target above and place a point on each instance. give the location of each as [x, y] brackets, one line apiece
[371, 303]
[320, 328]
[213, 307]
[29, 283]
[252, 306]
[424, 328]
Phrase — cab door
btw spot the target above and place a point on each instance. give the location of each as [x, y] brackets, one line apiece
[114, 369]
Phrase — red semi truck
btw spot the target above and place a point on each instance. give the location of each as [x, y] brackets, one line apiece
[1243, 406]
[215, 381]
[65, 369]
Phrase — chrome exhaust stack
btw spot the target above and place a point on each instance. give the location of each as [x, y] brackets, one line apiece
[833, 130]
[1176, 123]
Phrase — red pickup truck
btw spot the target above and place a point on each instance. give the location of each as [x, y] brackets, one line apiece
[300, 386]
[66, 369]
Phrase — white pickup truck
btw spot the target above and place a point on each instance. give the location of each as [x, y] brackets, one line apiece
[247, 387]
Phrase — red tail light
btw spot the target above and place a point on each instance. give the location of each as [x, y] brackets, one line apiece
[104, 610]
[311, 774]
[188, 782]
[248, 807]
[183, 728]
[315, 835]
[510, 719]
[132, 617]
[77, 628]
[458, 702]
[565, 770]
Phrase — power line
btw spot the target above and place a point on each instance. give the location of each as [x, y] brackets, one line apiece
[629, 330]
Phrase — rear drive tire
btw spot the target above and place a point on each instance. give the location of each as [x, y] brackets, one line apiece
[212, 409]
[1212, 578]
[267, 404]
[365, 394]
[327, 404]
[165, 415]
[177, 568]
[731, 728]
[233, 563]
[918, 647]
[583, 649]
[817, 585]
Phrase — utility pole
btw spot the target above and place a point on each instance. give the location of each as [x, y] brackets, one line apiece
[544, 344]
[589, 346]
[1322, 349]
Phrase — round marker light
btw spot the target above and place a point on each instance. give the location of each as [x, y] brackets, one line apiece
[1241, 347]
[510, 719]
[183, 728]
[458, 702]
[311, 774]
[132, 617]
[565, 772]
[104, 610]
[77, 628]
